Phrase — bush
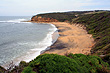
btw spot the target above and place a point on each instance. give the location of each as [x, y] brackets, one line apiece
[58, 16]
[90, 63]
[78, 63]
[28, 70]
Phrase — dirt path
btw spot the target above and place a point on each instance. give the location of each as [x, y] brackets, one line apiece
[73, 39]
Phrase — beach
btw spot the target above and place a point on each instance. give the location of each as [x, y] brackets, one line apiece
[72, 39]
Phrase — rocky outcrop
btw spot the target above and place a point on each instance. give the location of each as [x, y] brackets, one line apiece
[43, 19]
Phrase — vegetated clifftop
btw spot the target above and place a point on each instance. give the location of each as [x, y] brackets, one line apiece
[43, 19]
[61, 16]
[51, 17]
[98, 25]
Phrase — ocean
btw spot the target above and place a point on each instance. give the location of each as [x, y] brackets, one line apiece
[23, 41]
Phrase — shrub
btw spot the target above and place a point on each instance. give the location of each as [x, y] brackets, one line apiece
[28, 70]
[77, 63]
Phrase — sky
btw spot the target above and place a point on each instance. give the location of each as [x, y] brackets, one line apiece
[33, 7]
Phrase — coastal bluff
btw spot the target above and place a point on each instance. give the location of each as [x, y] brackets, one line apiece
[83, 45]
[43, 19]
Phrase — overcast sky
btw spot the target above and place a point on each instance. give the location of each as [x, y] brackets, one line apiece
[33, 7]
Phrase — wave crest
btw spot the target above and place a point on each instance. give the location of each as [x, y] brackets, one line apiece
[14, 21]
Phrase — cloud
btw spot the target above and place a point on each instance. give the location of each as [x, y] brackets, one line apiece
[30, 7]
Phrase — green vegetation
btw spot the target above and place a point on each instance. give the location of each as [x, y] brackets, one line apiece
[18, 69]
[67, 16]
[98, 25]
[78, 63]
[63, 16]
[59, 16]
[53, 63]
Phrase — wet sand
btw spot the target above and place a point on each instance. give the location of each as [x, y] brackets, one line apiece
[73, 39]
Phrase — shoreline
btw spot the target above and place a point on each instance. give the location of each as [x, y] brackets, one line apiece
[72, 39]
[53, 35]
[66, 41]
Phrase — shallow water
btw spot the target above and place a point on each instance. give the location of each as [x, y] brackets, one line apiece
[22, 40]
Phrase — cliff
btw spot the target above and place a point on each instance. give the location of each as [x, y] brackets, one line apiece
[61, 16]
[43, 19]
[53, 17]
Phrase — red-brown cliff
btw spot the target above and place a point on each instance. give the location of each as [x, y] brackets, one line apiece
[43, 19]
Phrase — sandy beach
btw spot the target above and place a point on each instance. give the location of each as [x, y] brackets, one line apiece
[73, 39]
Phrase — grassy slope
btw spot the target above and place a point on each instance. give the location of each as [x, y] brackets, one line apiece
[78, 63]
[62, 16]
[59, 16]
[98, 24]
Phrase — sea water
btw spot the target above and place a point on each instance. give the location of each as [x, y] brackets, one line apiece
[22, 41]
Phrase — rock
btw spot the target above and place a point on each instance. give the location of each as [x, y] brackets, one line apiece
[43, 19]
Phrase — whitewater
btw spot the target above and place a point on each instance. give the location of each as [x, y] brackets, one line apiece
[23, 41]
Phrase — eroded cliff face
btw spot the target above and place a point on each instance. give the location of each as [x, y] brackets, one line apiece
[43, 19]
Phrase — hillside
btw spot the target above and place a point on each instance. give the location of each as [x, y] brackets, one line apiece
[61, 16]
[98, 25]
[58, 16]
[53, 63]
[77, 63]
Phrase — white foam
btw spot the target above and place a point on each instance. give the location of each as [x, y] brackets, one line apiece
[34, 52]
[38, 49]
[16, 21]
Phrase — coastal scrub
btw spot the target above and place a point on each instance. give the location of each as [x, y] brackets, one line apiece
[73, 63]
